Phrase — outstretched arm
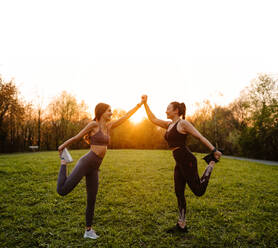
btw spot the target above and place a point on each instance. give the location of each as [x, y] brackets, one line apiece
[189, 128]
[77, 137]
[151, 116]
[113, 124]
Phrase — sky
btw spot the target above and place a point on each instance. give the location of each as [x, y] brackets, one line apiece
[115, 51]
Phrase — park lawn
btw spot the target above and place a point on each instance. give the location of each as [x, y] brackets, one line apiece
[136, 203]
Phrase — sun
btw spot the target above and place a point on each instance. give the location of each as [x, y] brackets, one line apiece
[138, 117]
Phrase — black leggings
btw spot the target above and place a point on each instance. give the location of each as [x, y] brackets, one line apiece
[186, 171]
[88, 166]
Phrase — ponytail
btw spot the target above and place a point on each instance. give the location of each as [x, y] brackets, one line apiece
[182, 110]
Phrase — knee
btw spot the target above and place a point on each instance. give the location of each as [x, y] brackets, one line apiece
[61, 192]
[194, 160]
[198, 192]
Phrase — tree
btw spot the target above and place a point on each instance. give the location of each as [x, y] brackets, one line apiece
[66, 118]
[11, 113]
[260, 138]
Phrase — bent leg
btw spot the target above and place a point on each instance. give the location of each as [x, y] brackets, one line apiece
[187, 163]
[197, 185]
[66, 184]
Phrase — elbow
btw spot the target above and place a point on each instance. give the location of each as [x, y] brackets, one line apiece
[154, 121]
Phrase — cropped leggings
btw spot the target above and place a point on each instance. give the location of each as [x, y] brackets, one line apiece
[88, 166]
[186, 171]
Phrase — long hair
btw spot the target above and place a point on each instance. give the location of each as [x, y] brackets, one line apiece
[181, 108]
[99, 110]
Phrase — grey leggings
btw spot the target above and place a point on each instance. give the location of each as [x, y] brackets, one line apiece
[88, 166]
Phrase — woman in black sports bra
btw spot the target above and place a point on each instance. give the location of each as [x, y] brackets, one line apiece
[97, 134]
[186, 170]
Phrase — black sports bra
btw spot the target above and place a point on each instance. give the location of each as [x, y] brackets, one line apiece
[174, 137]
[99, 138]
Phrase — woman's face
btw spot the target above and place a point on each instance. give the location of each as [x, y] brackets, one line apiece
[170, 112]
[107, 114]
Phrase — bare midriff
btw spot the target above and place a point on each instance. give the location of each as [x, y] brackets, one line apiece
[99, 150]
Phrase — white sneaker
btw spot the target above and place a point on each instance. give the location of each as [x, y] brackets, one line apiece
[66, 156]
[90, 234]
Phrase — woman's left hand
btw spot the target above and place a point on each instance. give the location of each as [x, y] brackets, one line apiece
[144, 99]
[217, 154]
[61, 148]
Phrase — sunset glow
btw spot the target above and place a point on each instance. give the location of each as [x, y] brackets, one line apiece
[138, 116]
[106, 51]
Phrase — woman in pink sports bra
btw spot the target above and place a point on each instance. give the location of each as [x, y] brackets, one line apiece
[98, 133]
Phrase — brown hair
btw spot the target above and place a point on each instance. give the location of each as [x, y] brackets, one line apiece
[99, 111]
[181, 107]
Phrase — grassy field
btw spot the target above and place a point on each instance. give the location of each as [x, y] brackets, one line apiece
[136, 203]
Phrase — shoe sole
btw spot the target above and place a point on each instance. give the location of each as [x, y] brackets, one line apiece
[91, 237]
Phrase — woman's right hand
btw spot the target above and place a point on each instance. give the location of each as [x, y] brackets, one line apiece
[144, 99]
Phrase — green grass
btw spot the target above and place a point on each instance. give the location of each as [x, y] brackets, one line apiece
[136, 203]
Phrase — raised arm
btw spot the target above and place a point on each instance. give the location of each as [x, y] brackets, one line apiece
[151, 116]
[77, 137]
[187, 127]
[113, 124]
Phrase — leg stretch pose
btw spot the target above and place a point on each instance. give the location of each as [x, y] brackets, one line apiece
[97, 134]
[87, 166]
[186, 170]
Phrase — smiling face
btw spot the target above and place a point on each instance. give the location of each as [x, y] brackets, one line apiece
[171, 112]
[107, 114]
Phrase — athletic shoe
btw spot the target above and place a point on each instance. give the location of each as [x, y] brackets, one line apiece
[90, 234]
[66, 156]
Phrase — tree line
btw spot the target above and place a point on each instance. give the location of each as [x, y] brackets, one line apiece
[246, 127]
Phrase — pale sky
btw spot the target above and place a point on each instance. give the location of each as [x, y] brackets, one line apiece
[115, 51]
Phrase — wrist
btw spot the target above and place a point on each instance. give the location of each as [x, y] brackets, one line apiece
[214, 150]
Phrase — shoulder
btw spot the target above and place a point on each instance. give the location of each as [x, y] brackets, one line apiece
[110, 124]
[184, 124]
[92, 124]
